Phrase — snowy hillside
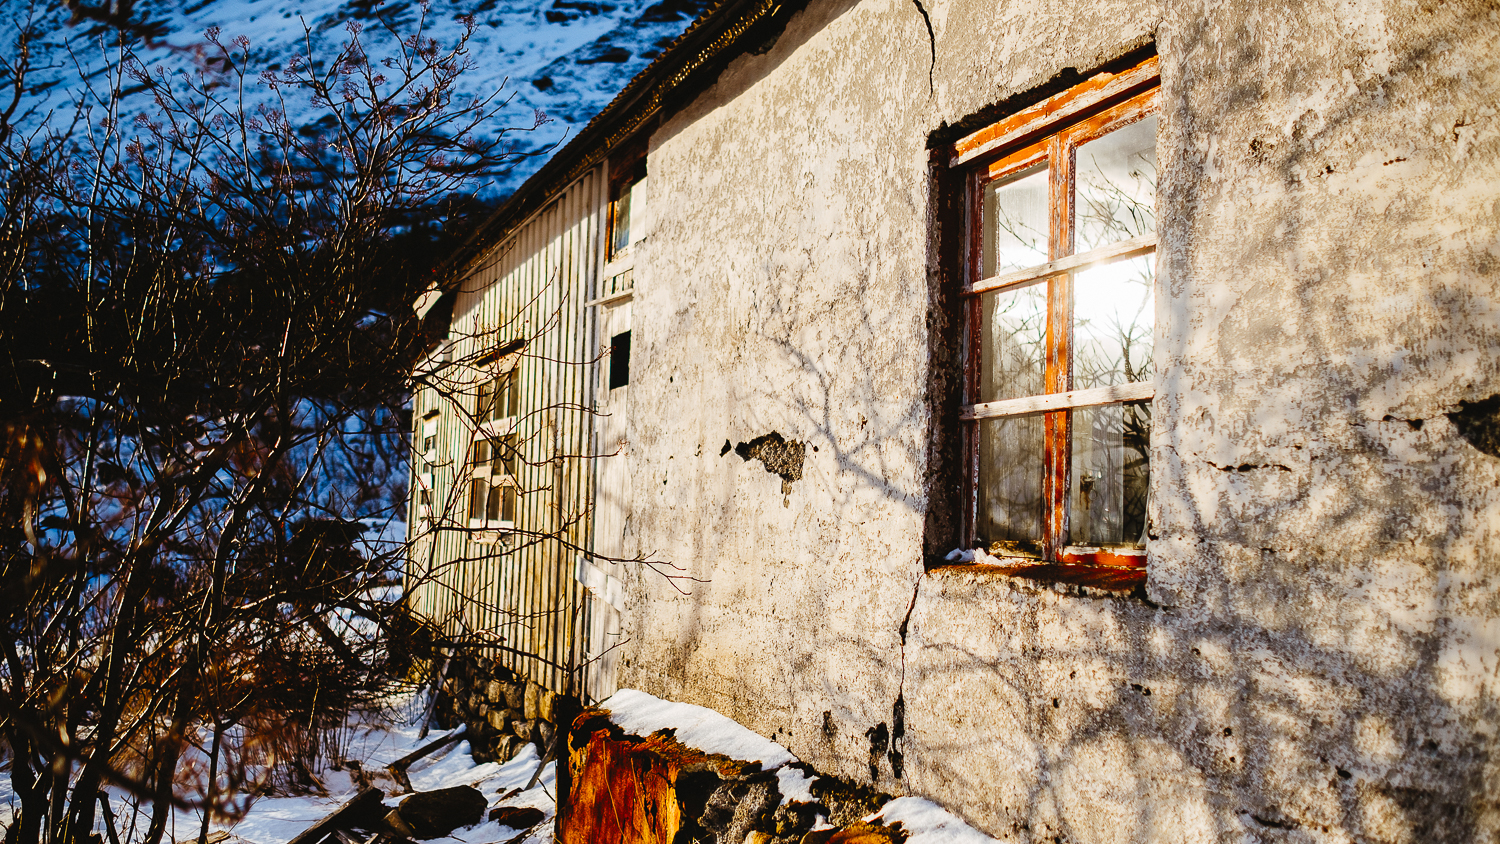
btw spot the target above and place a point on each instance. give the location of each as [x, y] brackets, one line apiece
[566, 58]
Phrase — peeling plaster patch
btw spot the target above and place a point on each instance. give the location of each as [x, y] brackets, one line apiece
[1478, 422]
[780, 456]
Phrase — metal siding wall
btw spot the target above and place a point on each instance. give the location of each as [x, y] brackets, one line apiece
[541, 277]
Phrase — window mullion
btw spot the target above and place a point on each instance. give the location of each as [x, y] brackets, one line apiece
[1059, 376]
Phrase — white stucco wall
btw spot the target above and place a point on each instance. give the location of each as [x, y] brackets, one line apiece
[1317, 655]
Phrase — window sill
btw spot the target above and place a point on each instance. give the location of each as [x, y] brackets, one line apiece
[1115, 580]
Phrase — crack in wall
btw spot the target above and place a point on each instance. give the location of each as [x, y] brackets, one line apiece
[1248, 467]
[898, 709]
[932, 43]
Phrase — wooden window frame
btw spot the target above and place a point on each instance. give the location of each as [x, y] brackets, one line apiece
[625, 174]
[491, 433]
[1047, 133]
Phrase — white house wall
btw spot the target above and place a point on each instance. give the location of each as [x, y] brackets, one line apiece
[1316, 657]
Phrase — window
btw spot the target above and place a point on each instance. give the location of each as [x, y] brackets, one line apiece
[627, 207]
[619, 361]
[427, 458]
[494, 454]
[1058, 306]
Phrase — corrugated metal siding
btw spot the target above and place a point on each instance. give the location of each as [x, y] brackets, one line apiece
[525, 597]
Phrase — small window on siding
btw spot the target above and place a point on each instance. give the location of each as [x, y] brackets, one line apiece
[627, 209]
[619, 361]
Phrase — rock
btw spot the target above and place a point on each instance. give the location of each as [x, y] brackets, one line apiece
[544, 734]
[398, 824]
[533, 701]
[506, 747]
[515, 697]
[758, 837]
[754, 807]
[523, 730]
[433, 814]
[495, 691]
[517, 817]
[547, 705]
[499, 719]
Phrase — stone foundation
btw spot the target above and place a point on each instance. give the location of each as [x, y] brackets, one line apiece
[503, 710]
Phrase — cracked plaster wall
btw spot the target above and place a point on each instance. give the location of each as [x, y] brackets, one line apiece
[1318, 657]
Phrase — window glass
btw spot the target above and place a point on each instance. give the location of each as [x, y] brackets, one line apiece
[505, 401]
[492, 511]
[619, 360]
[508, 503]
[1113, 316]
[638, 208]
[1111, 475]
[486, 404]
[478, 490]
[1010, 485]
[619, 236]
[505, 456]
[1015, 228]
[1115, 184]
[1014, 342]
[628, 217]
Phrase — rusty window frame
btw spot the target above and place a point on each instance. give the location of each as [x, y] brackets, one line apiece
[1047, 133]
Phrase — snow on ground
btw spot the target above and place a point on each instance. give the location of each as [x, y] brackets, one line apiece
[275, 820]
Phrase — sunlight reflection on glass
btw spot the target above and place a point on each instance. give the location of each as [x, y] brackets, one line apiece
[1114, 314]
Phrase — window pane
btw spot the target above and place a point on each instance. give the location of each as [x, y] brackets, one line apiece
[505, 454]
[508, 508]
[1111, 475]
[507, 402]
[1014, 340]
[1116, 186]
[620, 222]
[481, 452]
[1015, 228]
[492, 510]
[1010, 485]
[486, 400]
[619, 361]
[1113, 314]
[638, 203]
[477, 491]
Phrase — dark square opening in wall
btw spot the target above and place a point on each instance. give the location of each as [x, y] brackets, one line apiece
[619, 361]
